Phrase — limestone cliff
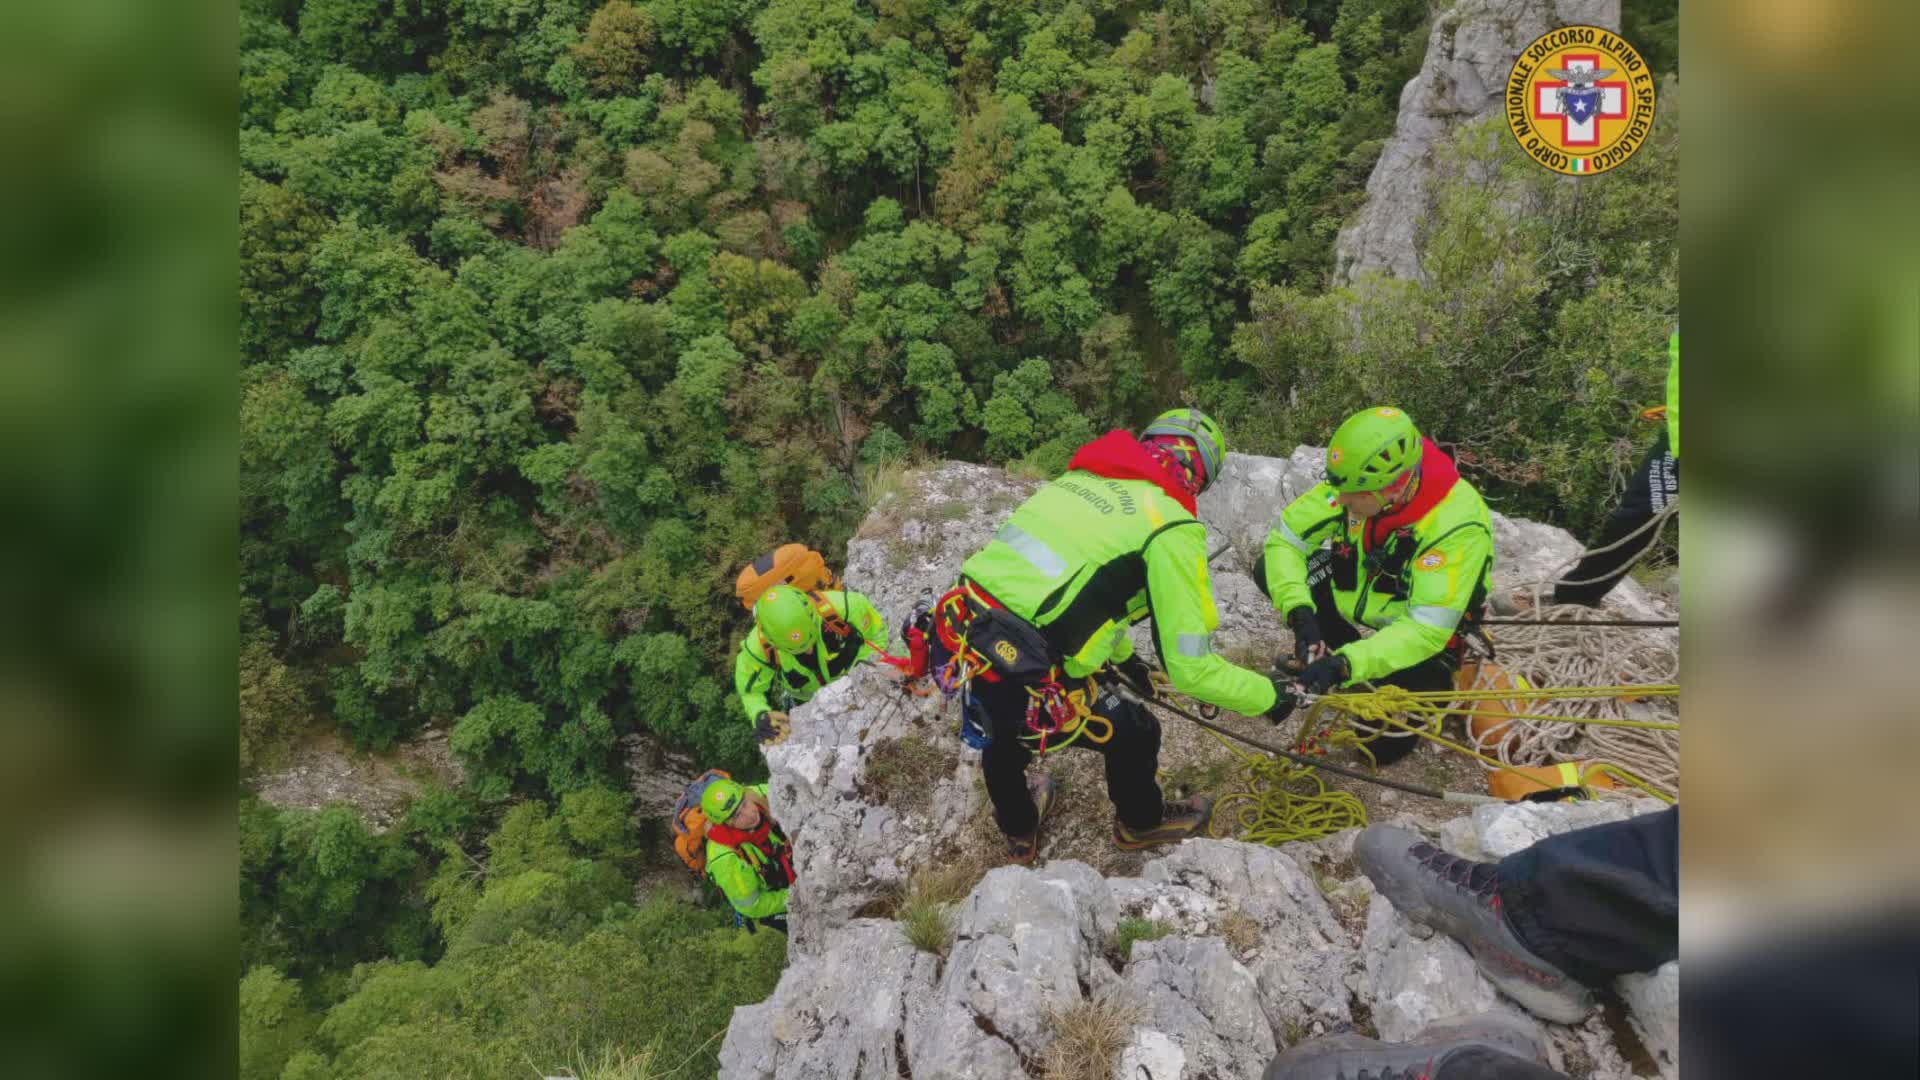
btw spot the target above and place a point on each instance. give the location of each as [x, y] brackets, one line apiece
[1470, 52]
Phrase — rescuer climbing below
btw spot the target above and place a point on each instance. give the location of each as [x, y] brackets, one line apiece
[1039, 612]
[1393, 540]
[801, 641]
[748, 855]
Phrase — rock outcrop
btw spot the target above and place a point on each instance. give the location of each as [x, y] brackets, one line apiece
[1245, 950]
[1470, 53]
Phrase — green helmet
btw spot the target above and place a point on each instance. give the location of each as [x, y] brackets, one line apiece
[721, 799]
[786, 616]
[1372, 449]
[1198, 426]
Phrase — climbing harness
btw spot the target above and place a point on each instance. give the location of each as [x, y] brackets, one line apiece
[987, 641]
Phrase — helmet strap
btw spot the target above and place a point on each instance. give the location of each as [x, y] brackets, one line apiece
[1401, 491]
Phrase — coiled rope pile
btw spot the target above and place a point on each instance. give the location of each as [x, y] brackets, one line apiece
[1549, 654]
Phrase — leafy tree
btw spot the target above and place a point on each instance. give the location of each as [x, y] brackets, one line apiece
[613, 53]
[277, 227]
[274, 1023]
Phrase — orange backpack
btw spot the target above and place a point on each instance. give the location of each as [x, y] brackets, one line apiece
[789, 564]
[690, 822]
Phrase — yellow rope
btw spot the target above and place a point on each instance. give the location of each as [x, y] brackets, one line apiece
[1372, 706]
[1282, 802]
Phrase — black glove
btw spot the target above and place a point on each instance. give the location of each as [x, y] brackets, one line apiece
[771, 728]
[920, 618]
[1283, 700]
[1306, 631]
[1326, 673]
[1135, 671]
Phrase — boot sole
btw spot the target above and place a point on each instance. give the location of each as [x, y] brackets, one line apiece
[1199, 829]
[1142, 845]
[1503, 967]
[1494, 1031]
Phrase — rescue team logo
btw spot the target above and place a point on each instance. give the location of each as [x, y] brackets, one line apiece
[1580, 100]
[1433, 560]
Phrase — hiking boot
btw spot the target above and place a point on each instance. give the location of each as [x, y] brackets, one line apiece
[1024, 849]
[1461, 898]
[1182, 820]
[1489, 1047]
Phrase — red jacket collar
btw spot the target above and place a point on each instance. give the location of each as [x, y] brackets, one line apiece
[728, 836]
[1438, 474]
[1117, 455]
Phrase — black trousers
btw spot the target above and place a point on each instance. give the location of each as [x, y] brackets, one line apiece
[1655, 483]
[1132, 755]
[1602, 901]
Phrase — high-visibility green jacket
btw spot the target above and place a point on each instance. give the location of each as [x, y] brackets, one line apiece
[1089, 556]
[1413, 590]
[1673, 396]
[766, 678]
[739, 873]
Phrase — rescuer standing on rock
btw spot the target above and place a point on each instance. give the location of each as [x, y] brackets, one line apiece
[1042, 609]
[1394, 540]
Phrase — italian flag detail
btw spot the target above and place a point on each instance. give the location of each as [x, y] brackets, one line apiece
[1580, 164]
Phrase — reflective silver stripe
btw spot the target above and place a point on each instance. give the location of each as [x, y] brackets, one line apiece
[1445, 618]
[1033, 549]
[1196, 644]
[1293, 538]
[743, 905]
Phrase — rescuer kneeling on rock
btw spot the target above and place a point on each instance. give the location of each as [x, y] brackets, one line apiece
[1046, 606]
[1394, 540]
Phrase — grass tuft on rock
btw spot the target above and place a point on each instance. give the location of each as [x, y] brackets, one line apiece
[925, 911]
[1089, 1036]
[927, 923]
[1136, 929]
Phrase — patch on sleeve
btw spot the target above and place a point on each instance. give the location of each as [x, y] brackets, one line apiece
[1433, 560]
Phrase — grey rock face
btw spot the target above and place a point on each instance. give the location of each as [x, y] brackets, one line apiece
[1469, 55]
[1024, 943]
[841, 1015]
[1303, 956]
[1206, 1002]
[656, 773]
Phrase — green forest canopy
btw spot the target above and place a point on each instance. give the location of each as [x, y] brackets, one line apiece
[554, 313]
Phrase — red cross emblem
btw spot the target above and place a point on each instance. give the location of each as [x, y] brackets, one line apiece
[1573, 130]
